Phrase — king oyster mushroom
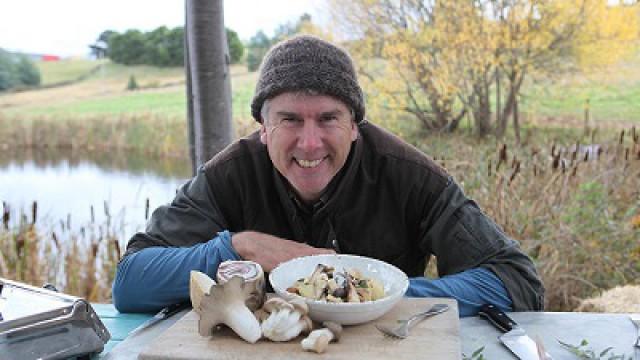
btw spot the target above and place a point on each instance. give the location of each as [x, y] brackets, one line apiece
[286, 319]
[222, 304]
[253, 276]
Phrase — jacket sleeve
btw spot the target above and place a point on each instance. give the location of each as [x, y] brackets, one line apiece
[192, 217]
[471, 288]
[462, 237]
[155, 277]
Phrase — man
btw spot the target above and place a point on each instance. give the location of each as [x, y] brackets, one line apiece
[318, 178]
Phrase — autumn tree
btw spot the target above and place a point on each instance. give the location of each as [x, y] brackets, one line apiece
[438, 60]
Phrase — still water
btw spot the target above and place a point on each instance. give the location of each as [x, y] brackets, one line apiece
[66, 185]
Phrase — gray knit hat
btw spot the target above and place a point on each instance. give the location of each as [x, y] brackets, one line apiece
[308, 63]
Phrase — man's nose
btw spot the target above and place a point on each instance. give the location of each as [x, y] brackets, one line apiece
[310, 136]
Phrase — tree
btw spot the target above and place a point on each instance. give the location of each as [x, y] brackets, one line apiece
[258, 46]
[260, 43]
[27, 73]
[236, 49]
[127, 48]
[437, 60]
[17, 71]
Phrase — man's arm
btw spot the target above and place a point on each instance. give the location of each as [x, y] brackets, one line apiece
[462, 237]
[155, 277]
[471, 288]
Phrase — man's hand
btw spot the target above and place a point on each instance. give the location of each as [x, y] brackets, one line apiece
[269, 251]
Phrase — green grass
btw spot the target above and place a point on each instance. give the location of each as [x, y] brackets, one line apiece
[54, 72]
[170, 103]
[104, 93]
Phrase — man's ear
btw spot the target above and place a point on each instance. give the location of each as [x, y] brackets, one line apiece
[263, 134]
[354, 131]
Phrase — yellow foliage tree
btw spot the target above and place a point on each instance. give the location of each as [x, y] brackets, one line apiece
[438, 60]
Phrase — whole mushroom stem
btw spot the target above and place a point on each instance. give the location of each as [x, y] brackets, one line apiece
[223, 304]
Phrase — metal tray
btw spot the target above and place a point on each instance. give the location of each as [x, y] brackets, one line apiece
[36, 323]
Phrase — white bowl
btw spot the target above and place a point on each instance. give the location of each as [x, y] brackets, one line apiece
[394, 280]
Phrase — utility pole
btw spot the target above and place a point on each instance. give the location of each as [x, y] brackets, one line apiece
[208, 80]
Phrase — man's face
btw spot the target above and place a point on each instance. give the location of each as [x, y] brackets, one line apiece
[308, 138]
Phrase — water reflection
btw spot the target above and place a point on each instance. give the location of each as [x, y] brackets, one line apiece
[67, 184]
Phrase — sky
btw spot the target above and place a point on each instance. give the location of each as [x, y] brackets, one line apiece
[67, 27]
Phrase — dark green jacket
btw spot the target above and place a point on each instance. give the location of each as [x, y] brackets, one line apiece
[389, 202]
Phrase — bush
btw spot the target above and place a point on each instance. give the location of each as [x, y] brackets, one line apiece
[132, 84]
[16, 71]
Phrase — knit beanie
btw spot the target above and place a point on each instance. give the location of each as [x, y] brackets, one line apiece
[308, 63]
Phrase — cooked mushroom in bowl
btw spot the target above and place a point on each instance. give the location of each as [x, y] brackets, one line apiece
[363, 289]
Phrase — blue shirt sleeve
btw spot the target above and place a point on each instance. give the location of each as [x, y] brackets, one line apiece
[155, 277]
[472, 289]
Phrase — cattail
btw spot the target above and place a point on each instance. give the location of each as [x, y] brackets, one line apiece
[93, 216]
[94, 249]
[516, 170]
[55, 239]
[34, 212]
[634, 135]
[556, 161]
[106, 209]
[146, 209]
[574, 170]
[6, 216]
[502, 156]
[621, 137]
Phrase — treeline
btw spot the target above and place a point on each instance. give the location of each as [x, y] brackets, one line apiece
[160, 47]
[165, 47]
[17, 71]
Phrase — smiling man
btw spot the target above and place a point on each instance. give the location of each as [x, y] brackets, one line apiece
[319, 178]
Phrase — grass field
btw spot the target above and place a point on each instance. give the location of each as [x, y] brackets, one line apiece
[613, 94]
[54, 72]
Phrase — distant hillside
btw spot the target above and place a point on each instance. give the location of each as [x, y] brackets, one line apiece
[65, 70]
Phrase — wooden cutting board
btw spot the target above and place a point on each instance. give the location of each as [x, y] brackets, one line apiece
[433, 338]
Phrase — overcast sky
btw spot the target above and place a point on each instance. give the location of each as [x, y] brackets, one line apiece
[67, 27]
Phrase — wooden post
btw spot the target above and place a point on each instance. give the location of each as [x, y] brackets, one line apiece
[208, 80]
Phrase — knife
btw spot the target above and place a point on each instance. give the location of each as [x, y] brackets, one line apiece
[161, 315]
[514, 337]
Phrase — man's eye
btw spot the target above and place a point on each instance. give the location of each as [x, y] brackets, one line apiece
[329, 118]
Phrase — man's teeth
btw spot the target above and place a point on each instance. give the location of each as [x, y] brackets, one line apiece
[308, 163]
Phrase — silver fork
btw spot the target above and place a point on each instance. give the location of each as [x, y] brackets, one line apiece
[402, 331]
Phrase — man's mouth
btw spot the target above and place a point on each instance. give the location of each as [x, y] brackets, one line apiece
[308, 163]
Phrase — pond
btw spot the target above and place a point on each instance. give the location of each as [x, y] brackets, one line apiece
[73, 189]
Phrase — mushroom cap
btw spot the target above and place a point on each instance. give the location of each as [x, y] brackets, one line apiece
[276, 303]
[335, 328]
[300, 305]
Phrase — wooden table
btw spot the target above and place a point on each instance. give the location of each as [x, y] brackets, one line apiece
[600, 330]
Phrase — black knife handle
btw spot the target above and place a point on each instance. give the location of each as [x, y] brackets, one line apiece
[497, 317]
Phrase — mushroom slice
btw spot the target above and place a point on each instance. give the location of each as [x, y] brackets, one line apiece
[319, 339]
